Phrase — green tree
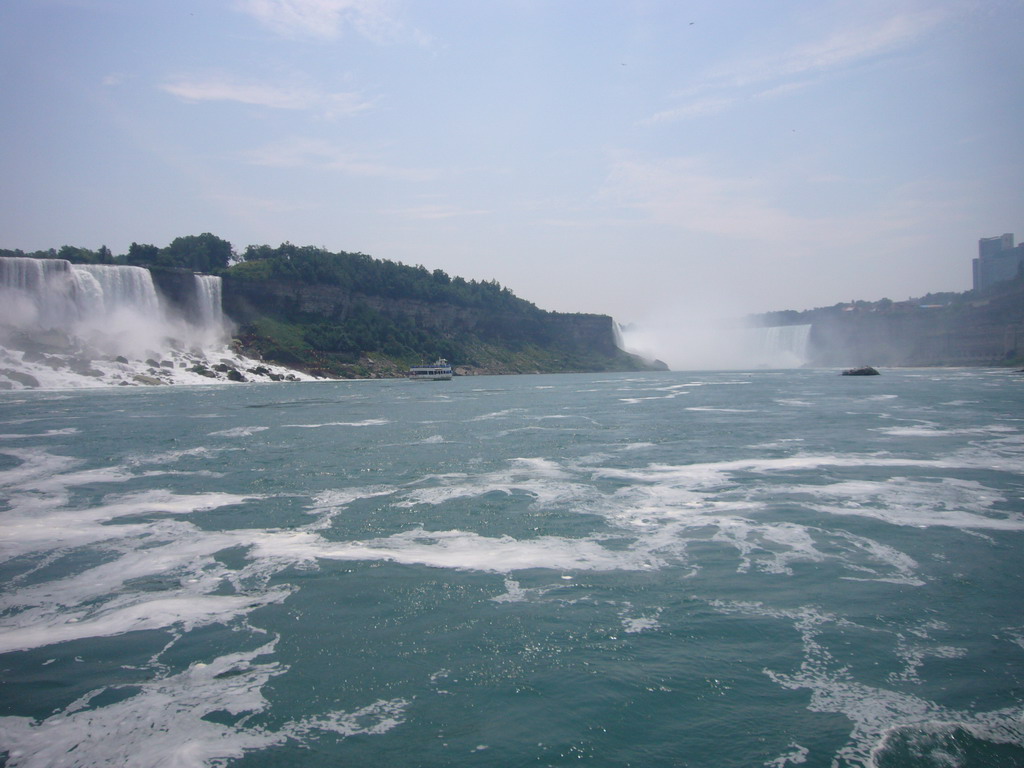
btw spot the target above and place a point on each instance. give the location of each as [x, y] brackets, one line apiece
[201, 253]
[142, 255]
[77, 255]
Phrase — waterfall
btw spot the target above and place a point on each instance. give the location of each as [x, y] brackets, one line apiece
[45, 293]
[114, 308]
[65, 325]
[53, 293]
[121, 288]
[620, 341]
[780, 346]
[207, 301]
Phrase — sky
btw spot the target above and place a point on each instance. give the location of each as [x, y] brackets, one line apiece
[654, 160]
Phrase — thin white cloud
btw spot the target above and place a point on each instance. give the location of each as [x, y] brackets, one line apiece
[321, 19]
[801, 65]
[220, 87]
[688, 195]
[782, 90]
[699, 108]
[682, 193]
[844, 47]
[320, 154]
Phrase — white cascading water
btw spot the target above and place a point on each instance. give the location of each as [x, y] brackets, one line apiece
[116, 307]
[702, 344]
[73, 325]
[780, 346]
[121, 288]
[208, 301]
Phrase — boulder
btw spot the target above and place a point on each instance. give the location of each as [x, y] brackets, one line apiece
[24, 379]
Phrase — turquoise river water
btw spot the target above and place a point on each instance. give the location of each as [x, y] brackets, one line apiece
[761, 569]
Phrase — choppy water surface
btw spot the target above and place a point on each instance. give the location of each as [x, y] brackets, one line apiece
[668, 569]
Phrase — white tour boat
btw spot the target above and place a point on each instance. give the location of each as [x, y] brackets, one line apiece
[439, 370]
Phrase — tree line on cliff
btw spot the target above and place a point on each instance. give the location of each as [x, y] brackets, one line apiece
[355, 272]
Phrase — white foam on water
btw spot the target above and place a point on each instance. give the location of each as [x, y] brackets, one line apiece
[47, 433]
[786, 442]
[514, 593]
[163, 722]
[170, 457]
[942, 744]
[637, 446]
[663, 507]
[40, 628]
[876, 713]
[239, 432]
[664, 393]
[633, 625]
[329, 504]
[796, 756]
[930, 429]
[363, 423]
[503, 414]
[918, 502]
[454, 549]
[712, 409]
[915, 654]
[42, 523]
[547, 482]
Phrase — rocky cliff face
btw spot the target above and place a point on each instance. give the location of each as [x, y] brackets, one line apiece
[564, 339]
[987, 330]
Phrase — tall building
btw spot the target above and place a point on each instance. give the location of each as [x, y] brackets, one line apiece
[998, 260]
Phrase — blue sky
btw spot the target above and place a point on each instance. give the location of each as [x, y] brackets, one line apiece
[648, 159]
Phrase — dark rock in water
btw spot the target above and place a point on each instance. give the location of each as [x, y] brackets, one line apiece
[87, 370]
[35, 356]
[202, 370]
[120, 359]
[864, 370]
[166, 363]
[22, 378]
[234, 375]
[84, 368]
[143, 379]
[222, 367]
[152, 363]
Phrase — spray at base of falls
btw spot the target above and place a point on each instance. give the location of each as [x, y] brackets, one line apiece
[65, 325]
[701, 344]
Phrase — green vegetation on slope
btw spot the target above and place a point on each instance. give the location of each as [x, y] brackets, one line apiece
[348, 314]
